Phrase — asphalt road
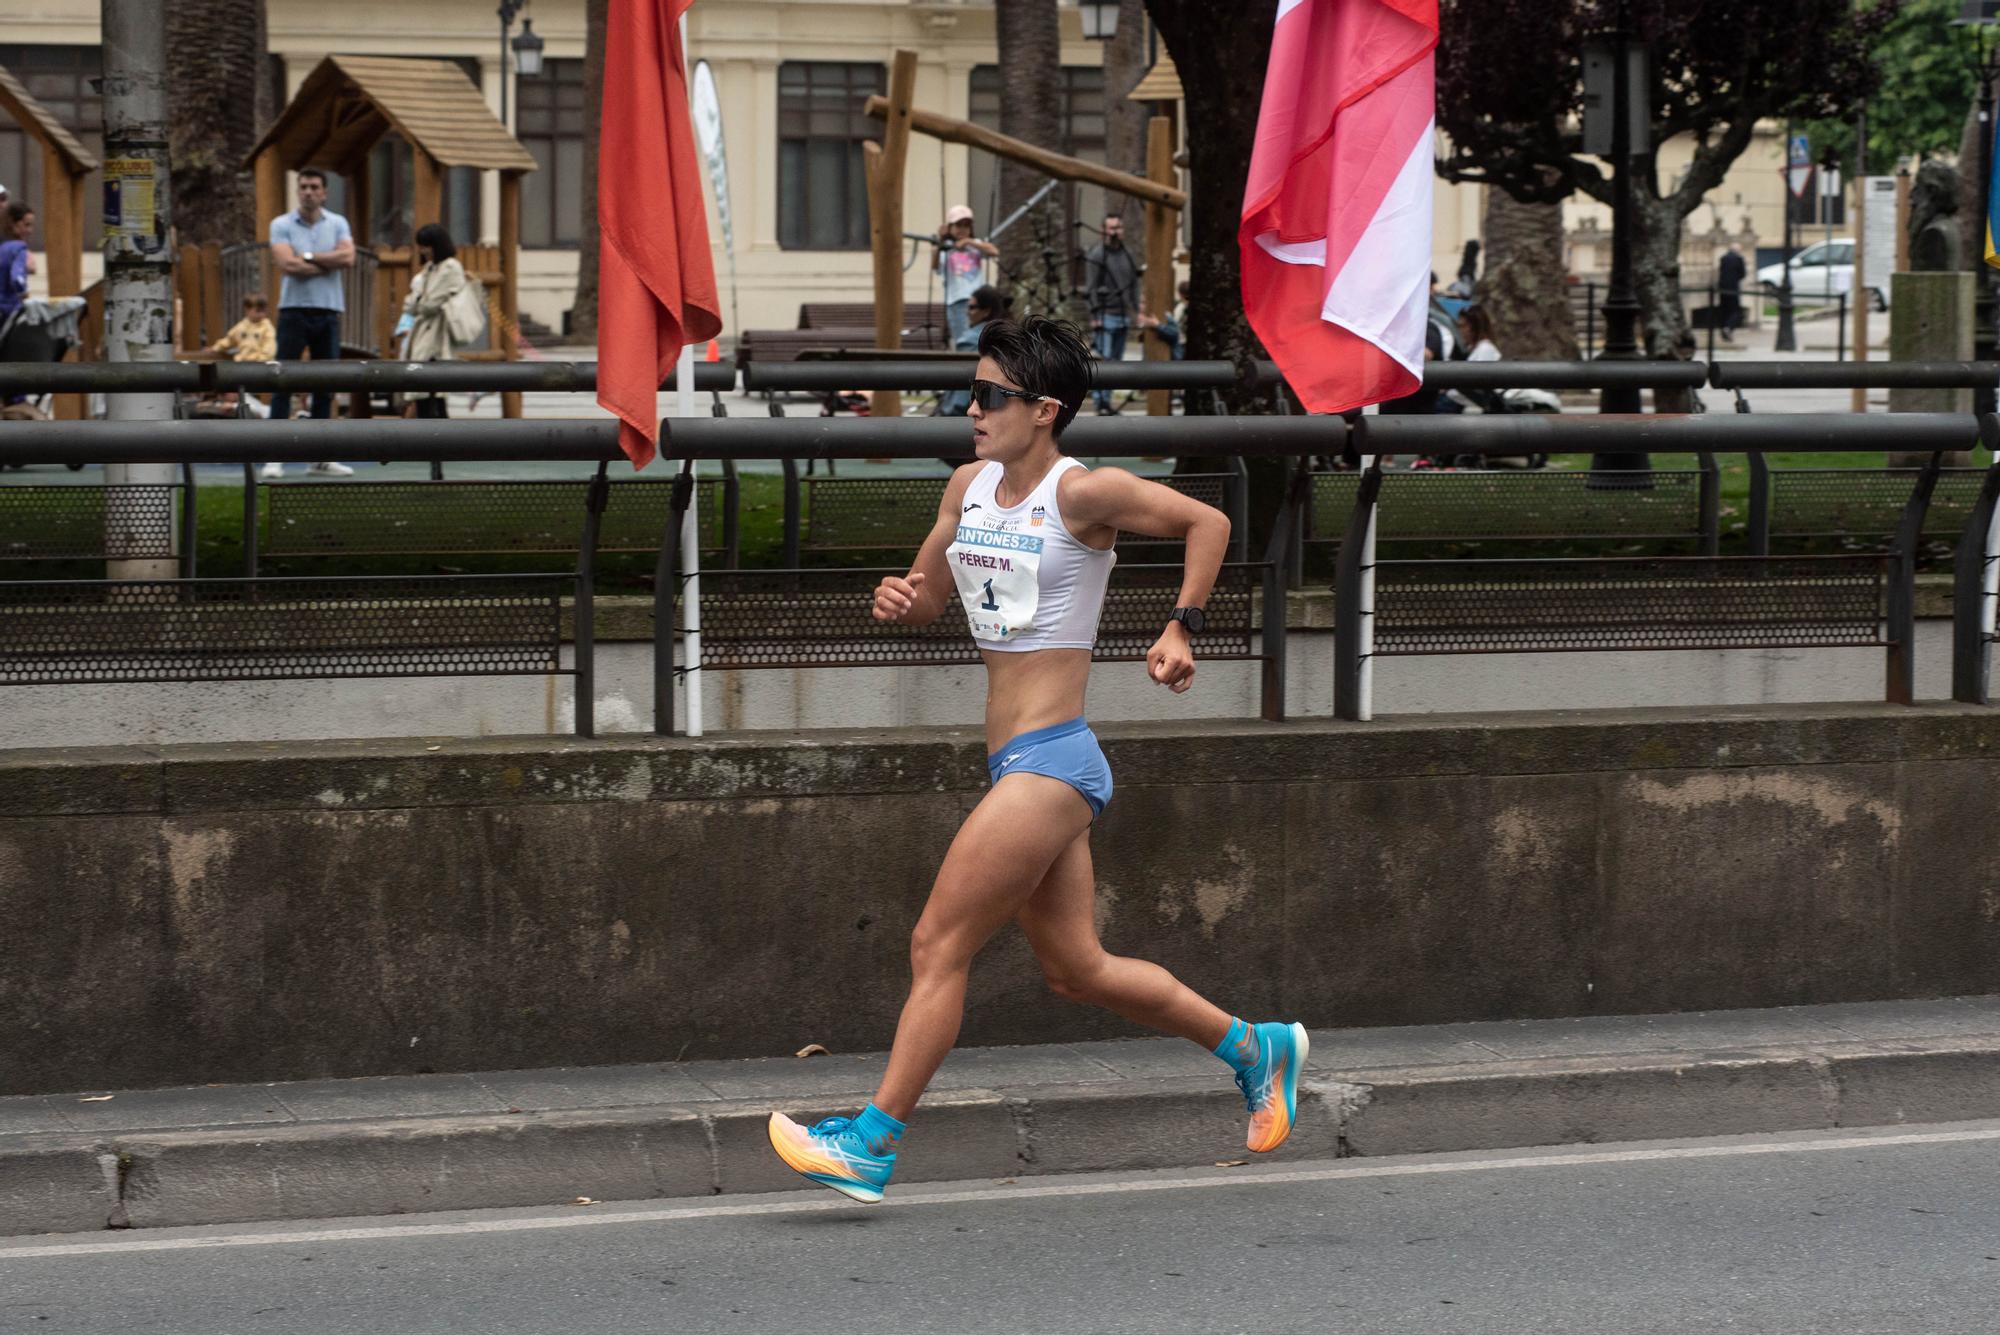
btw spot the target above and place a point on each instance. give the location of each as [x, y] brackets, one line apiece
[1871, 1231]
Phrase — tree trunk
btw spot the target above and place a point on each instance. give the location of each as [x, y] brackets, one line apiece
[1971, 194]
[583, 310]
[1125, 120]
[1656, 279]
[1525, 287]
[1222, 77]
[1033, 253]
[215, 65]
[1222, 82]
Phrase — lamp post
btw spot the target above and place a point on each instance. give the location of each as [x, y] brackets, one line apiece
[1621, 303]
[1788, 337]
[1100, 19]
[527, 49]
[1980, 16]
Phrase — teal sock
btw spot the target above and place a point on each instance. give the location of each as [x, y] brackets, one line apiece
[879, 1131]
[1239, 1047]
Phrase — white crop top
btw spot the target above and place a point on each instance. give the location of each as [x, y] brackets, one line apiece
[1027, 583]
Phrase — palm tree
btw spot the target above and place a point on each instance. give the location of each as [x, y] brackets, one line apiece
[219, 101]
[583, 311]
[1525, 285]
[1030, 41]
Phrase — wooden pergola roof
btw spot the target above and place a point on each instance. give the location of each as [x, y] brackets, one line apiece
[38, 121]
[1161, 84]
[349, 102]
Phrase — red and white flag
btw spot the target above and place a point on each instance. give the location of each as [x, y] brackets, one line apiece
[1336, 233]
[655, 277]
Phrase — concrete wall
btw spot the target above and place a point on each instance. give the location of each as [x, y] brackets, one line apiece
[781, 700]
[194, 914]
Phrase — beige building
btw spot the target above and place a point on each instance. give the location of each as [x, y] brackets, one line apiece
[790, 75]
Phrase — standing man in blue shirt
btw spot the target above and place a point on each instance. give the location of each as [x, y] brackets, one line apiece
[310, 246]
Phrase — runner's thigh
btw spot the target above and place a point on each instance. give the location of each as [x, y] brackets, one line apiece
[1001, 855]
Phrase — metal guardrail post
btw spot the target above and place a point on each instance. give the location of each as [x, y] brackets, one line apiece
[585, 637]
[1589, 320]
[1713, 315]
[1278, 554]
[1236, 504]
[732, 516]
[1840, 331]
[666, 594]
[190, 522]
[1899, 687]
[1709, 504]
[1760, 504]
[250, 520]
[1349, 615]
[791, 548]
[1976, 594]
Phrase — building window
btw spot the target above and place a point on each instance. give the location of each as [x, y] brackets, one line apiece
[822, 194]
[1082, 120]
[550, 126]
[59, 78]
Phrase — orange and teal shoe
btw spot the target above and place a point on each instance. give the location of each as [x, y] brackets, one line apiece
[833, 1154]
[1271, 1085]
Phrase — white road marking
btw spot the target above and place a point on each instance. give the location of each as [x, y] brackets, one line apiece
[917, 1196]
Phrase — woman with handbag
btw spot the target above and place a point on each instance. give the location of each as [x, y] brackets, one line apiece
[435, 314]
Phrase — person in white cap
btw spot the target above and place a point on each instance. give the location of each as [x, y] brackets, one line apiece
[961, 264]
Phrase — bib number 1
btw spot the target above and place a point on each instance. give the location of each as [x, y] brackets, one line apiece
[989, 605]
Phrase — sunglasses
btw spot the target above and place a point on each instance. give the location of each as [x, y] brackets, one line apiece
[990, 396]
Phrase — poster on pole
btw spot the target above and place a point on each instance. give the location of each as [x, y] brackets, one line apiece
[1878, 232]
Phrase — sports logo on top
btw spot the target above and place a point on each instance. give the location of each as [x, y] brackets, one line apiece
[1037, 515]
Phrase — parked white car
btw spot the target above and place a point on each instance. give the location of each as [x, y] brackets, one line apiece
[1821, 272]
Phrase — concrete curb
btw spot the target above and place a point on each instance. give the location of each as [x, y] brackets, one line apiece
[58, 1183]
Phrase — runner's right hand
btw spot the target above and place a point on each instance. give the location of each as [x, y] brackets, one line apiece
[895, 596]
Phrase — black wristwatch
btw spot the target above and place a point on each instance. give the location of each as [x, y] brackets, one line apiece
[1190, 617]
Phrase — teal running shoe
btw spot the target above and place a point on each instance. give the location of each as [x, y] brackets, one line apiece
[833, 1154]
[1271, 1086]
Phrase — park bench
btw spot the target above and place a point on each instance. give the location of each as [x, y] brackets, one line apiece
[1855, 503]
[1531, 506]
[263, 628]
[454, 518]
[1387, 608]
[857, 514]
[835, 327]
[117, 521]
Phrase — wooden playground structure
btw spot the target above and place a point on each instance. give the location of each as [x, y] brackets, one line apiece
[884, 164]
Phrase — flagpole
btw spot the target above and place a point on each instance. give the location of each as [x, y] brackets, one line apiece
[1365, 695]
[691, 526]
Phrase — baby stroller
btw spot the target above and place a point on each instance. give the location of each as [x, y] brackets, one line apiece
[38, 331]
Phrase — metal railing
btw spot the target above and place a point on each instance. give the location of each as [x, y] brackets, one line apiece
[1703, 601]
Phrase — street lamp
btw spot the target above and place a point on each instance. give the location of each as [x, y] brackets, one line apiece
[1100, 19]
[527, 48]
[1980, 15]
[528, 51]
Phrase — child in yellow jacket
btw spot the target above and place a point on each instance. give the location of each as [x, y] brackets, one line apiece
[251, 339]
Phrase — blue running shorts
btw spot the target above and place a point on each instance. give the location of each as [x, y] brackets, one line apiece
[1066, 751]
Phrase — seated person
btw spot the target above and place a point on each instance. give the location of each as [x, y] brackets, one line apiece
[986, 303]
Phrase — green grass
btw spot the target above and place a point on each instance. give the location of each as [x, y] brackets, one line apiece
[762, 535]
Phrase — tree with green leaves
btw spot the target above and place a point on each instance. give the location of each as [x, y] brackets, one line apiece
[1717, 71]
[1926, 84]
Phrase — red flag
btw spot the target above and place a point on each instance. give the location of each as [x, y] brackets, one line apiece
[1336, 233]
[655, 277]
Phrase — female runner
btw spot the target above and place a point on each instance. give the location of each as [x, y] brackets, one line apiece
[1026, 534]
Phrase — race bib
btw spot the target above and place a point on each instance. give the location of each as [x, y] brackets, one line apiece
[999, 577]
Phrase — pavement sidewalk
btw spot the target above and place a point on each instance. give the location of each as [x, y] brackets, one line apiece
[331, 1148]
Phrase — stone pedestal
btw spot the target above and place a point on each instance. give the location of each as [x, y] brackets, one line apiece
[1930, 320]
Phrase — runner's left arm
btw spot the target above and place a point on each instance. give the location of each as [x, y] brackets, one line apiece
[1115, 499]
